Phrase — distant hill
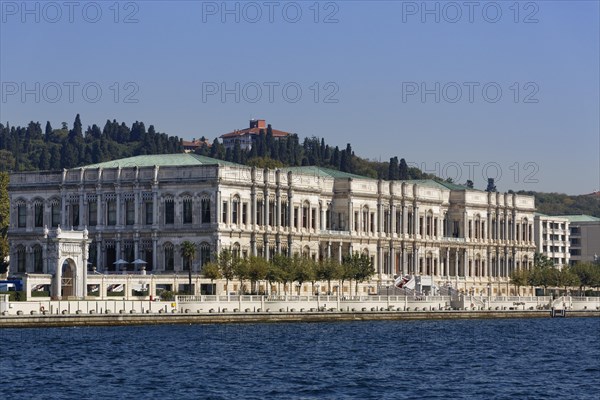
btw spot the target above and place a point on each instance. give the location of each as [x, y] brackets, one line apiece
[563, 204]
[33, 148]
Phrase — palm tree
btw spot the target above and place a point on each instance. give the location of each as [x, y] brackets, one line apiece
[188, 252]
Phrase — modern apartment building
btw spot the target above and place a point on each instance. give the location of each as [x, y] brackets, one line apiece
[584, 238]
[552, 238]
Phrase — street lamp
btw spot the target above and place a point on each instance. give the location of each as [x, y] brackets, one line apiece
[317, 285]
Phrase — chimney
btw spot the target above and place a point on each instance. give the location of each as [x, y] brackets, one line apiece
[258, 123]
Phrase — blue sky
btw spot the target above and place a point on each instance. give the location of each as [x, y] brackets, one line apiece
[497, 90]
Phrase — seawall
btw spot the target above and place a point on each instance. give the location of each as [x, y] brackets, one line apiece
[82, 320]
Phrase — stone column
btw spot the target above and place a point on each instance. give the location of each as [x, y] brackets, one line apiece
[403, 261]
[456, 254]
[392, 258]
[119, 207]
[404, 219]
[447, 263]
[81, 209]
[392, 219]
[415, 220]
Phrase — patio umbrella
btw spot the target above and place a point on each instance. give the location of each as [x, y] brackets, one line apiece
[120, 261]
[138, 262]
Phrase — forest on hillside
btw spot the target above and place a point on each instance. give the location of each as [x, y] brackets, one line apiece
[563, 204]
[32, 148]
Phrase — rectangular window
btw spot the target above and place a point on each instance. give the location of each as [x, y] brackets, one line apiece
[271, 213]
[305, 217]
[129, 212]
[259, 212]
[38, 263]
[284, 215]
[21, 215]
[111, 212]
[296, 217]
[169, 212]
[74, 215]
[372, 222]
[205, 211]
[234, 211]
[93, 214]
[187, 211]
[245, 213]
[55, 211]
[356, 222]
[169, 259]
[39, 215]
[149, 212]
[224, 213]
[313, 218]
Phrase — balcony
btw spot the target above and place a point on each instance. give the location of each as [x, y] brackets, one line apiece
[454, 239]
[335, 233]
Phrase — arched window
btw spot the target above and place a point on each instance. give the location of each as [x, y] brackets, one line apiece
[365, 219]
[235, 250]
[21, 258]
[235, 209]
[306, 252]
[169, 210]
[187, 209]
[205, 209]
[38, 213]
[38, 263]
[204, 253]
[21, 214]
[169, 257]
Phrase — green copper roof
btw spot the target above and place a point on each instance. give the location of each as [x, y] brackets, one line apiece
[324, 172]
[162, 160]
[580, 218]
[440, 184]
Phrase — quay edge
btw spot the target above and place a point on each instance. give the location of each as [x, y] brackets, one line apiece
[83, 320]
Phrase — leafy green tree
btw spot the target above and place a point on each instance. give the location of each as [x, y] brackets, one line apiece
[567, 278]
[520, 277]
[212, 271]
[257, 271]
[301, 270]
[241, 269]
[188, 252]
[225, 261]
[284, 273]
[328, 270]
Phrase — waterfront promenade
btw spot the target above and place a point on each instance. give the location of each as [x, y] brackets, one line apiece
[240, 309]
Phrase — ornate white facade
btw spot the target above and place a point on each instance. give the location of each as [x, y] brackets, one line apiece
[145, 207]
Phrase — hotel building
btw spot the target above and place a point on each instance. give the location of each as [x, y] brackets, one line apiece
[552, 238]
[144, 207]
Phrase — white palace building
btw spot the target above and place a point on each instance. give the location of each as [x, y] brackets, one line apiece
[69, 227]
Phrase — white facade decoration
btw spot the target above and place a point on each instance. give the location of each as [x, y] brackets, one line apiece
[469, 239]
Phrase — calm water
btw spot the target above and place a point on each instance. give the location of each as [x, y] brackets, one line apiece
[483, 359]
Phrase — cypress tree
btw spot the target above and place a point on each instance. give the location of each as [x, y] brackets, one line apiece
[491, 187]
[394, 169]
[403, 170]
